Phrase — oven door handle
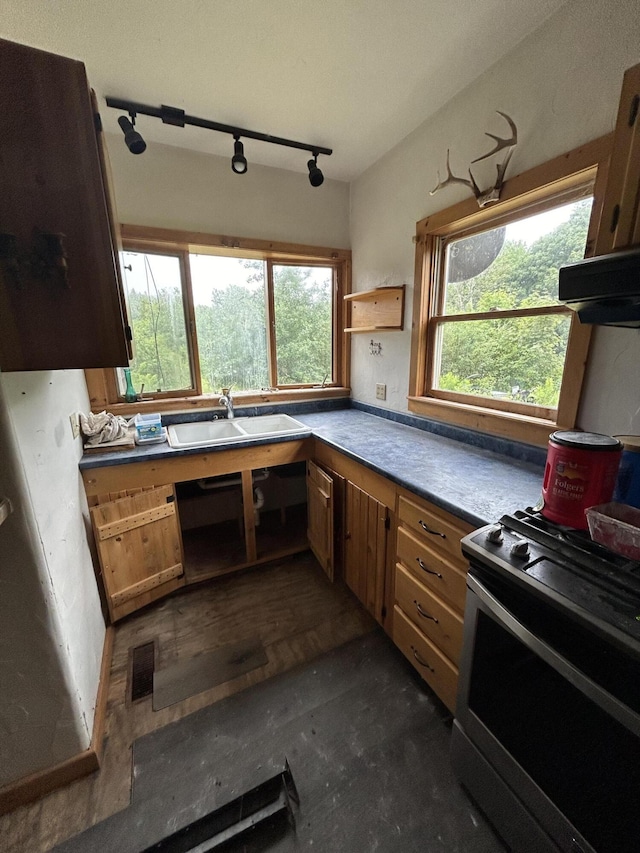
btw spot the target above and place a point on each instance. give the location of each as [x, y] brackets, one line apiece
[575, 676]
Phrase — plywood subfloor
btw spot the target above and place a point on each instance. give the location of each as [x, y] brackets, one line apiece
[296, 612]
[219, 549]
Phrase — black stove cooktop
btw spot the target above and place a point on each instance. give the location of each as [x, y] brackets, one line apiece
[580, 575]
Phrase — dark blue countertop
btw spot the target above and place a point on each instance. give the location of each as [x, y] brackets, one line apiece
[473, 483]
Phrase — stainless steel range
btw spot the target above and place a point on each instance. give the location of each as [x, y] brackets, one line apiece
[547, 729]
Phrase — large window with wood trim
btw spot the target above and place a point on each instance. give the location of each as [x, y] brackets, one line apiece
[206, 317]
[494, 348]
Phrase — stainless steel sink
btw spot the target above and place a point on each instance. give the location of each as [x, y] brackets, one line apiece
[213, 433]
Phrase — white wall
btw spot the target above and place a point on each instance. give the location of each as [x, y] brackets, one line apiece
[171, 187]
[562, 86]
[52, 629]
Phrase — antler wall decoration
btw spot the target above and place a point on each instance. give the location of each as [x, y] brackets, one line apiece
[485, 197]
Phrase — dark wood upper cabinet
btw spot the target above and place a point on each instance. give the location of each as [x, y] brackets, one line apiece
[61, 300]
[620, 219]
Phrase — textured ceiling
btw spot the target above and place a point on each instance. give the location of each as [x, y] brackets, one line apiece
[353, 75]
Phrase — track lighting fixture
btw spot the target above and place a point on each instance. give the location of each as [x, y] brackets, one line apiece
[134, 142]
[238, 161]
[178, 118]
[315, 175]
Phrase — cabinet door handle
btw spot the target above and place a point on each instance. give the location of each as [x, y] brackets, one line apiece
[420, 661]
[424, 613]
[425, 569]
[429, 530]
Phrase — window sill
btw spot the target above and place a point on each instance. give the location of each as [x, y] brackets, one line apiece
[210, 401]
[505, 424]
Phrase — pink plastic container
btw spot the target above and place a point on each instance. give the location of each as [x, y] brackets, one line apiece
[617, 527]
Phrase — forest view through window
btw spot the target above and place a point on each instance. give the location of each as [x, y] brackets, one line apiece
[499, 331]
[203, 322]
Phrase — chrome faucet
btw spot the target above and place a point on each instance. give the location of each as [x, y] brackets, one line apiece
[227, 401]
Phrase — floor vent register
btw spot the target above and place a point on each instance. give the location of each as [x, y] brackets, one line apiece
[142, 666]
[263, 812]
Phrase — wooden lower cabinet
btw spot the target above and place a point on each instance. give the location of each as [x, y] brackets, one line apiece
[320, 517]
[431, 568]
[366, 525]
[237, 508]
[429, 580]
[437, 620]
[434, 666]
[363, 518]
[139, 548]
[409, 574]
[362, 523]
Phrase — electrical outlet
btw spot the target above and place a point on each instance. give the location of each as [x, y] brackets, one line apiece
[74, 420]
[381, 391]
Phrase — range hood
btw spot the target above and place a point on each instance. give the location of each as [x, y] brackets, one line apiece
[604, 290]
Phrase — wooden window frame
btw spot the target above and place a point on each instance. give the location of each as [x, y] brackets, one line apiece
[102, 384]
[110, 379]
[525, 194]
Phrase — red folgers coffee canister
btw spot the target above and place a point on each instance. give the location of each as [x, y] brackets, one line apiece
[580, 472]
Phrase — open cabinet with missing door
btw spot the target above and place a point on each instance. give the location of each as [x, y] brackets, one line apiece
[236, 520]
[162, 523]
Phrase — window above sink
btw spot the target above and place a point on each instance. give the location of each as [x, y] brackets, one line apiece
[265, 319]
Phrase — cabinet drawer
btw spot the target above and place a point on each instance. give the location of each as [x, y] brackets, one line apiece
[437, 670]
[431, 569]
[429, 613]
[435, 529]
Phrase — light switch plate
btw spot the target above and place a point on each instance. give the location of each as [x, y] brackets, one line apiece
[381, 391]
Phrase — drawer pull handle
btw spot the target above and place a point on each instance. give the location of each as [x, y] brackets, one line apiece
[420, 661]
[425, 569]
[429, 530]
[424, 613]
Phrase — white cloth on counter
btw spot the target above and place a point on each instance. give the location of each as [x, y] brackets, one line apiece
[102, 428]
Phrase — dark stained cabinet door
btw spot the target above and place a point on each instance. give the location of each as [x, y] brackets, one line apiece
[620, 220]
[61, 300]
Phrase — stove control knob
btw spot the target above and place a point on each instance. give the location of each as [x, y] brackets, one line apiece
[494, 533]
[520, 549]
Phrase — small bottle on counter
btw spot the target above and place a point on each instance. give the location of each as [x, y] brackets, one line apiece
[130, 392]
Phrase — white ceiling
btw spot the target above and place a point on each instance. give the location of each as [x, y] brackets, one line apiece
[353, 75]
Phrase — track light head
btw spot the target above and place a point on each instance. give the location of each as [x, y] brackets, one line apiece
[238, 161]
[134, 142]
[315, 175]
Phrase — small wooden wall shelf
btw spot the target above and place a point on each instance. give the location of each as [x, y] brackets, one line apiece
[376, 310]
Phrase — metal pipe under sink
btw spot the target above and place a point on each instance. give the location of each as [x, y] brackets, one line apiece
[211, 483]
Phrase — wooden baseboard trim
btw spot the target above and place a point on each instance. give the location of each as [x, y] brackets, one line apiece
[30, 788]
[100, 716]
